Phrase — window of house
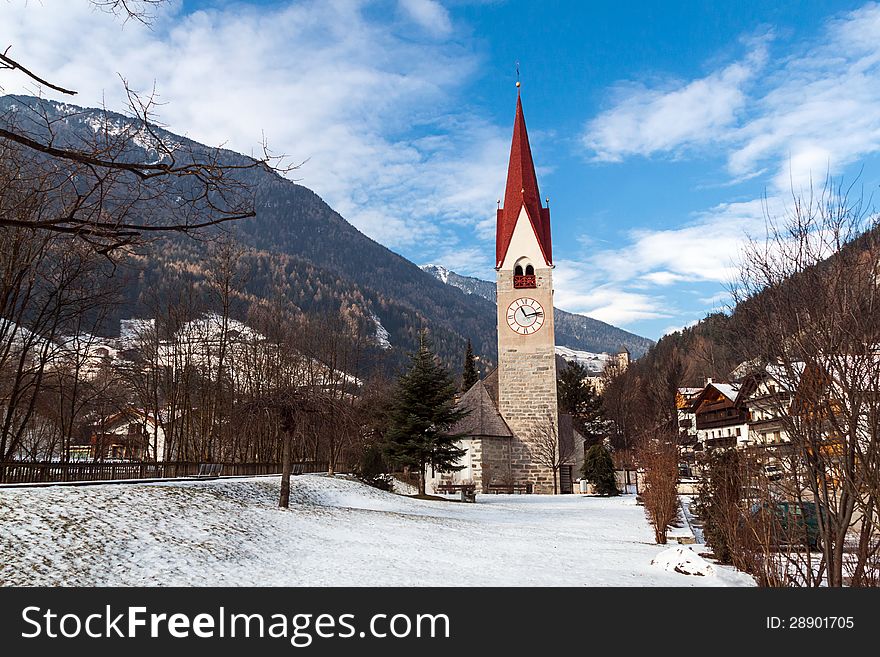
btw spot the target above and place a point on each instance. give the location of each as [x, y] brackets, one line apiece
[518, 270]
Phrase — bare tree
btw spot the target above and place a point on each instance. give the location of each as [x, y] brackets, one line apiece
[292, 407]
[548, 449]
[108, 193]
[658, 457]
[810, 309]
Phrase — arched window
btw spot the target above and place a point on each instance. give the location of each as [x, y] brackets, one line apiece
[524, 274]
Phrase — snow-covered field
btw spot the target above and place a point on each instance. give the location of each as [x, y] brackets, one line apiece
[337, 532]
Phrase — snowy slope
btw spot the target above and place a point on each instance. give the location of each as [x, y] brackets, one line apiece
[337, 532]
[592, 361]
[382, 336]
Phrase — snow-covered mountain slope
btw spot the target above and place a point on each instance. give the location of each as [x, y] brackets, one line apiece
[592, 361]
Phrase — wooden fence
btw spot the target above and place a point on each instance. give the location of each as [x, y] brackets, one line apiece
[27, 472]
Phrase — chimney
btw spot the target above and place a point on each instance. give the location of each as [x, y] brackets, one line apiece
[709, 380]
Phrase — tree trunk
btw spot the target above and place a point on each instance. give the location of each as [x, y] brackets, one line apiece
[286, 467]
[422, 480]
[660, 536]
[554, 482]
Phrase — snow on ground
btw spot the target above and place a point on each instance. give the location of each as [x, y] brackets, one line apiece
[336, 532]
[685, 561]
[383, 337]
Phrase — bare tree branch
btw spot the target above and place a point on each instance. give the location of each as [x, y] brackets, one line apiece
[7, 62]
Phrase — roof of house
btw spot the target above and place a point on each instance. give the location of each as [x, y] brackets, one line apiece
[522, 191]
[491, 383]
[729, 390]
[484, 418]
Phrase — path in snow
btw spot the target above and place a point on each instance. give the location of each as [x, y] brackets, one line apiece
[337, 532]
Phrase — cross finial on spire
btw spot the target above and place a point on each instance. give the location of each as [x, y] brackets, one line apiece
[517, 77]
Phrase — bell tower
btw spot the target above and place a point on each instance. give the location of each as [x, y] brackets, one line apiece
[526, 341]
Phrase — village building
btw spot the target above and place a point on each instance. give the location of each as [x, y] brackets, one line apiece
[722, 420]
[686, 415]
[769, 394]
[130, 434]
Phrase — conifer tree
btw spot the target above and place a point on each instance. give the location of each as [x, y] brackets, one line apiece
[423, 413]
[598, 469]
[469, 376]
[578, 399]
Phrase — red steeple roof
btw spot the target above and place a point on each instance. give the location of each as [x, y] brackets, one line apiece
[522, 190]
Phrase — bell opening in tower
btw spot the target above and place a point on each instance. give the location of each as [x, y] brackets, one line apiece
[525, 282]
[524, 275]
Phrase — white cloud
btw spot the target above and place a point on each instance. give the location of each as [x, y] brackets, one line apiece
[808, 114]
[663, 278]
[647, 120]
[634, 282]
[429, 14]
[821, 111]
[672, 328]
[467, 261]
[704, 250]
[719, 301]
[792, 120]
[324, 80]
[609, 302]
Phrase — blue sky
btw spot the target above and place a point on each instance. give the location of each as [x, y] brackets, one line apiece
[663, 132]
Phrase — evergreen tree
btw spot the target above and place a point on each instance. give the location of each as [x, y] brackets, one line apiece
[424, 411]
[598, 469]
[470, 376]
[578, 399]
[372, 468]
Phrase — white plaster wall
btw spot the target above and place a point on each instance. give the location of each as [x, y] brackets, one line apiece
[523, 243]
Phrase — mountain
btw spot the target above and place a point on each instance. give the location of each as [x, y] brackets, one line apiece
[576, 332]
[297, 248]
[466, 284]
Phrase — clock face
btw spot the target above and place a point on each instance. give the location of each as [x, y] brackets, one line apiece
[525, 316]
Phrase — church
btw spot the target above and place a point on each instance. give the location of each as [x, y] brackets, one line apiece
[517, 441]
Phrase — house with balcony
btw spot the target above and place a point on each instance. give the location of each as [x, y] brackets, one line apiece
[722, 420]
[768, 393]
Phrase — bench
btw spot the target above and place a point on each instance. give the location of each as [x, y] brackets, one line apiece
[207, 470]
[468, 491]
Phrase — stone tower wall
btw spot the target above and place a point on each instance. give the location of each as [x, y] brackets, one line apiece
[527, 379]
